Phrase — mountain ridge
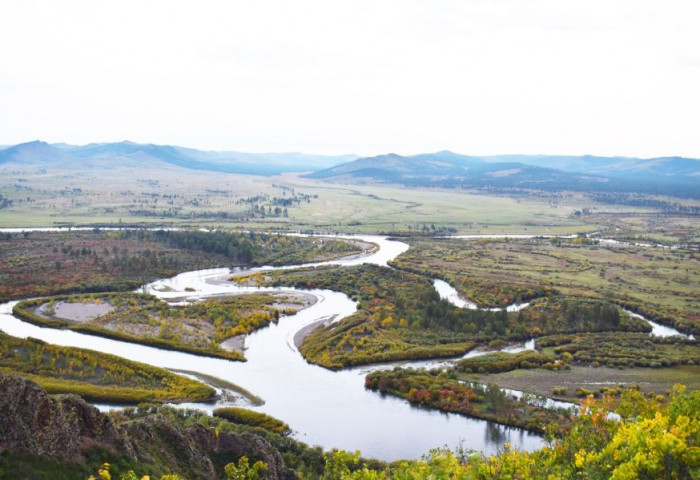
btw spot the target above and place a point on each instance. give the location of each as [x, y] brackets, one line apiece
[41, 153]
[445, 169]
[546, 172]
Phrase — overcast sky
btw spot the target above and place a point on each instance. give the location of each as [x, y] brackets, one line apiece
[602, 77]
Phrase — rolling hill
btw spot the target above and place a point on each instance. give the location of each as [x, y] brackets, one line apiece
[672, 168]
[585, 173]
[676, 176]
[35, 153]
[135, 154]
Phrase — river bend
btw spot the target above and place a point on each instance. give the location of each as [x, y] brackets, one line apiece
[326, 408]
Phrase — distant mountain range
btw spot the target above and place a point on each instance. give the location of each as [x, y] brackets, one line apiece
[664, 175]
[545, 172]
[135, 154]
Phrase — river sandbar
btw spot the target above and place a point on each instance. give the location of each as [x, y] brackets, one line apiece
[75, 312]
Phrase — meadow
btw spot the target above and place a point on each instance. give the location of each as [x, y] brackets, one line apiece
[563, 384]
[289, 202]
[661, 284]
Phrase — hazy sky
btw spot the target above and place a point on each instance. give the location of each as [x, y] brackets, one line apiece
[603, 77]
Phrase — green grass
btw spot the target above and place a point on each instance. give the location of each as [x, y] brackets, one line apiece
[542, 382]
[332, 207]
[95, 376]
[160, 197]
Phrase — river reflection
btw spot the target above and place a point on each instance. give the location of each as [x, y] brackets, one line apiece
[326, 408]
[330, 409]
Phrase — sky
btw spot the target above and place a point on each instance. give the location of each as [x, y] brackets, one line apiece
[602, 77]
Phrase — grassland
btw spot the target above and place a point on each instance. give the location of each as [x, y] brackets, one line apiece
[160, 197]
[152, 196]
[496, 362]
[651, 227]
[472, 387]
[563, 384]
[384, 208]
[199, 328]
[661, 284]
[95, 376]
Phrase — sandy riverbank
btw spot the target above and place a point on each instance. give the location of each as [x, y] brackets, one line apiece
[81, 312]
[288, 300]
[306, 331]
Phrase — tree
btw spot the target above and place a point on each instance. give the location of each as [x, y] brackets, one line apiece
[243, 471]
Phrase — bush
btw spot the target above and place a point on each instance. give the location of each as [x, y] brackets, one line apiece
[254, 419]
[504, 362]
[583, 392]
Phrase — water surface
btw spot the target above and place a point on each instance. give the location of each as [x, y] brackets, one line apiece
[326, 408]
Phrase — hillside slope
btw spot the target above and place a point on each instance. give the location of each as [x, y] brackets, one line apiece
[130, 154]
[36, 426]
[673, 175]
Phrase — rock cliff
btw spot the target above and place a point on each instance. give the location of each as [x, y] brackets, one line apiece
[64, 426]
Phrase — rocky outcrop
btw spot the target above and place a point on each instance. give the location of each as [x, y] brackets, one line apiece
[31, 421]
[238, 445]
[64, 426]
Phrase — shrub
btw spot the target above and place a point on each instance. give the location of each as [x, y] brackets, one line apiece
[255, 419]
[583, 392]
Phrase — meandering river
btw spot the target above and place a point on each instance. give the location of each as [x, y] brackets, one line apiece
[326, 408]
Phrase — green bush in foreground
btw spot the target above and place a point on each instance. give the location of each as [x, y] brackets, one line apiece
[652, 440]
[240, 471]
[252, 418]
